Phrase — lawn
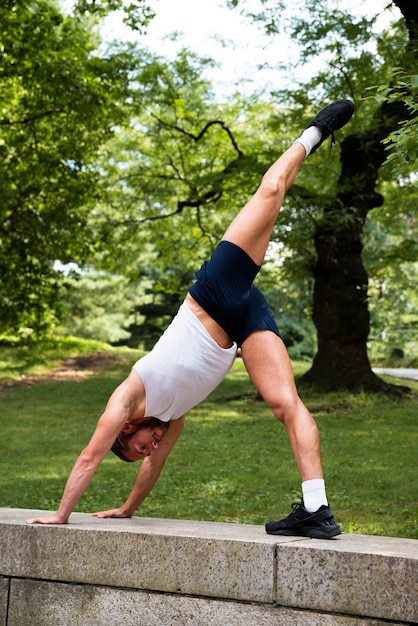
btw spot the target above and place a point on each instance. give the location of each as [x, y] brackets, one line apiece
[232, 464]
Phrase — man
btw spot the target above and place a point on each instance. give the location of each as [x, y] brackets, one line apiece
[222, 311]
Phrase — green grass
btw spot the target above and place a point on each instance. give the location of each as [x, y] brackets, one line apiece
[232, 464]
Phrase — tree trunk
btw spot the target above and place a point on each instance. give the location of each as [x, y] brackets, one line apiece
[340, 308]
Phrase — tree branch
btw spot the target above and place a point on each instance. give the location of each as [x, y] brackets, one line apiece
[204, 130]
[30, 118]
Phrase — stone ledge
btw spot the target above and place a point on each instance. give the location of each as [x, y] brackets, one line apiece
[353, 575]
[196, 558]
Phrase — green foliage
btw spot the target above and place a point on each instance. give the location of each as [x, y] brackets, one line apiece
[121, 309]
[159, 294]
[60, 101]
[176, 173]
[174, 164]
[232, 464]
[98, 305]
[390, 254]
[125, 162]
[137, 14]
[402, 143]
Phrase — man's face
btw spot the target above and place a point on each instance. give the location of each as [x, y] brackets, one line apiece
[142, 443]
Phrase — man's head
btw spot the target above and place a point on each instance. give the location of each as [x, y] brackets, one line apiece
[139, 438]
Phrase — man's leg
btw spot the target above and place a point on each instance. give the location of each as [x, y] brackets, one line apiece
[268, 364]
[251, 229]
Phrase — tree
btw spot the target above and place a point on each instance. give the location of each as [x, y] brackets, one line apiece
[97, 305]
[157, 167]
[61, 99]
[202, 163]
[118, 138]
[349, 189]
[176, 171]
[340, 309]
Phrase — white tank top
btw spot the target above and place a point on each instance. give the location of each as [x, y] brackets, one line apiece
[183, 368]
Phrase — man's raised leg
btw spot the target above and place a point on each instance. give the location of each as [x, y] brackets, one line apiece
[251, 229]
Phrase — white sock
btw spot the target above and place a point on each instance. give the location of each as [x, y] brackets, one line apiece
[309, 138]
[314, 495]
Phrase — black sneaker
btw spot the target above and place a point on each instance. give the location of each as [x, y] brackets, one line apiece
[320, 525]
[332, 117]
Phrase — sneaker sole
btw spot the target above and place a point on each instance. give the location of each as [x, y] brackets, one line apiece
[323, 534]
[313, 533]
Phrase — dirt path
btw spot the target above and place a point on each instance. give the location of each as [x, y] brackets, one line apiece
[73, 368]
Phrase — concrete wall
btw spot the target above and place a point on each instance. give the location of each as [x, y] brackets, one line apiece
[150, 572]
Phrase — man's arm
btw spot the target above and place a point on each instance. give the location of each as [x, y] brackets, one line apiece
[121, 407]
[149, 472]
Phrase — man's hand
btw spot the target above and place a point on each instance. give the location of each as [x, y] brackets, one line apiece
[112, 513]
[48, 519]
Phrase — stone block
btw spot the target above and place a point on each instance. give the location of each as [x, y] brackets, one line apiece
[196, 558]
[353, 574]
[36, 603]
[4, 595]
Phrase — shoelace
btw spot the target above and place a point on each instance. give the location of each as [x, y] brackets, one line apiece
[329, 123]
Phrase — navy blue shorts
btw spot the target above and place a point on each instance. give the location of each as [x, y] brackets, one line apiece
[224, 289]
